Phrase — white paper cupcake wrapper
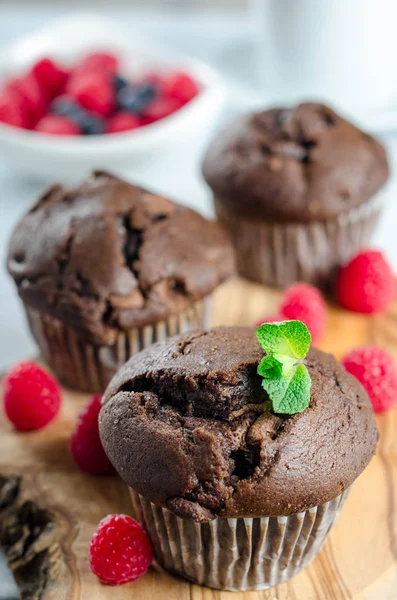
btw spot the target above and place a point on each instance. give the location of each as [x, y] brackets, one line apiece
[282, 253]
[237, 554]
[89, 367]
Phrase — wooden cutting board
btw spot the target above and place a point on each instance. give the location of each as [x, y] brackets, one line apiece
[47, 537]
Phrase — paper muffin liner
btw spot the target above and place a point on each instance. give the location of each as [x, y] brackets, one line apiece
[282, 253]
[237, 554]
[88, 367]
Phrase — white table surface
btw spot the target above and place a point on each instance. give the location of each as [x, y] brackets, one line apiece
[222, 39]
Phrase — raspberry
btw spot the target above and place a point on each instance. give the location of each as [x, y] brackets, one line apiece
[30, 95]
[123, 121]
[377, 372]
[32, 398]
[305, 303]
[50, 76]
[57, 125]
[120, 550]
[85, 444]
[102, 62]
[93, 91]
[159, 109]
[99, 63]
[366, 284]
[180, 87]
[11, 111]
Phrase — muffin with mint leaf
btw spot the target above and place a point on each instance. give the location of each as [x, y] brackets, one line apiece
[238, 455]
[297, 189]
[107, 268]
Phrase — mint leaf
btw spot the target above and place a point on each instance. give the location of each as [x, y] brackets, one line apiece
[289, 338]
[274, 366]
[290, 394]
[270, 367]
[285, 379]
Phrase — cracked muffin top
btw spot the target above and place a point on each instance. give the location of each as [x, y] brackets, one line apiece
[109, 255]
[185, 424]
[298, 164]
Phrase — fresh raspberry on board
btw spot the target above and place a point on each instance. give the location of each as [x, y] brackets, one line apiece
[305, 303]
[93, 91]
[57, 125]
[11, 111]
[122, 121]
[120, 550]
[366, 283]
[377, 372]
[181, 87]
[31, 396]
[85, 444]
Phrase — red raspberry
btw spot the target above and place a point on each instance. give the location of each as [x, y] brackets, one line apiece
[102, 62]
[366, 284]
[32, 398]
[11, 111]
[50, 76]
[30, 95]
[305, 303]
[122, 121]
[93, 91]
[120, 550]
[377, 372]
[85, 444]
[57, 125]
[159, 109]
[180, 87]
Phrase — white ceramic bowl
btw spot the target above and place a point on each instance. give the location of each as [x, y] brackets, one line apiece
[69, 158]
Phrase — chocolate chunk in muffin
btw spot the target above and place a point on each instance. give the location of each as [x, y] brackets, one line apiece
[187, 426]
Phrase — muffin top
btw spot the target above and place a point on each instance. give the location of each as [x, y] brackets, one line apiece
[300, 164]
[184, 423]
[109, 255]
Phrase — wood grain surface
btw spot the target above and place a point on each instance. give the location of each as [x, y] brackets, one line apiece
[359, 560]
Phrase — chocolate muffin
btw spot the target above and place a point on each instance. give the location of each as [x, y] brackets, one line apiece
[232, 495]
[108, 268]
[296, 188]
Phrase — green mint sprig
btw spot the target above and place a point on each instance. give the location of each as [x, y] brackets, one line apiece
[285, 378]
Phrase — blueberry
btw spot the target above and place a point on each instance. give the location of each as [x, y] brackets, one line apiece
[147, 91]
[119, 82]
[65, 107]
[135, 99]
[89, 123]
[128, 99]
[92, 125]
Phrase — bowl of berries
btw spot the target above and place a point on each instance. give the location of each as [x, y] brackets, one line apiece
[82, 94]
